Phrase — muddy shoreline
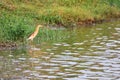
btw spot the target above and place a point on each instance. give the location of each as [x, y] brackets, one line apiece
[8, 45]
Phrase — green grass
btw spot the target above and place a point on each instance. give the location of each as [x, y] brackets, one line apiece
[14, 28]
[62, 12]
[18, 17]
[52, 35]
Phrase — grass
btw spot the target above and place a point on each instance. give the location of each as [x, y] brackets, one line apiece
[63, 12]
[17, 17]
[14, 28]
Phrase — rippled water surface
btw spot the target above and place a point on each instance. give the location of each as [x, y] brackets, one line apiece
[89, 53]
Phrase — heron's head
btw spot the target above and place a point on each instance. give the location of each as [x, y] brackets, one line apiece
[39, 26]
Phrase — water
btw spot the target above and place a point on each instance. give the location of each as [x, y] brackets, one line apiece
[91, 53]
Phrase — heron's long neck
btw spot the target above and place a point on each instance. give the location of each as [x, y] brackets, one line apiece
[36, 30]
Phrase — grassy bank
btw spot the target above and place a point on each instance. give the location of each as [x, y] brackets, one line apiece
[17, 17]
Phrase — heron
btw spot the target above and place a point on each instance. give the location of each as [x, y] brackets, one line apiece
[34, 34]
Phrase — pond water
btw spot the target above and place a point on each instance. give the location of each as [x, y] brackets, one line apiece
[89, 53]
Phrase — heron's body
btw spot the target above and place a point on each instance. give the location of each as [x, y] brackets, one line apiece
[32, 36]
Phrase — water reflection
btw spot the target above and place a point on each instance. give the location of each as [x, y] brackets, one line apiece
[89, 54]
